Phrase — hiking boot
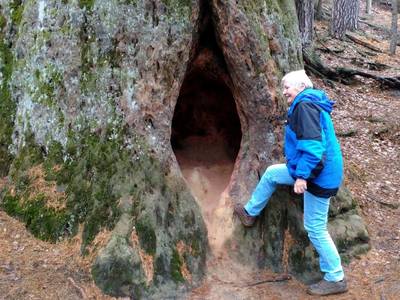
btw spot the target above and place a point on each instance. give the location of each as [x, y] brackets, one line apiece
[324, 287]
[244, 217]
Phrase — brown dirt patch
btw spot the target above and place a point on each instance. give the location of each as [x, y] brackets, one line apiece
[39, 186]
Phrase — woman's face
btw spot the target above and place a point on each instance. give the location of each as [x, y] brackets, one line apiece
[291, 92]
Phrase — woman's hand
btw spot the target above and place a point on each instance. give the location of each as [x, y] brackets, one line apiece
[300, 186]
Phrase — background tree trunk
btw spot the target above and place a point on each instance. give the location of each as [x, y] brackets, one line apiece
[339, 18]
[394, 29]
[354, 10]
[368, 6]
[344, 16]
[305, 15]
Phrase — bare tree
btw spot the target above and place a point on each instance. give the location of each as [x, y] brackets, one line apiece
[394, 32]
[344, 16]
[305, 14]
[368, 6]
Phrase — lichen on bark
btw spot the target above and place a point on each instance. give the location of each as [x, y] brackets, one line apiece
[7, 106]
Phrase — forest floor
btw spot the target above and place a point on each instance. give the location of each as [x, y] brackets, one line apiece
[367, 120]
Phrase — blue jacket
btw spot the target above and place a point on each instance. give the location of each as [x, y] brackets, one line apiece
[311, 148]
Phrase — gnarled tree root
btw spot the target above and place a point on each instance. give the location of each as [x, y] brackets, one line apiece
[313, 64]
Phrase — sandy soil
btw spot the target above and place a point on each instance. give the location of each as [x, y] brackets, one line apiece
[33, 269]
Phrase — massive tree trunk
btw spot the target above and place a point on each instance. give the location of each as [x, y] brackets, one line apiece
[344, 16]
[101, 100]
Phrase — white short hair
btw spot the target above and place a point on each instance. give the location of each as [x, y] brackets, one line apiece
[297, 78]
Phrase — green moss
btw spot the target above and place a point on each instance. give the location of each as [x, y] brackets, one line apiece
[281, 13]
[30, 155]
[17, 11]
[147, 236]
[176, 264]
[45, 223]
[94, 170]
[345, 259]
[3, 22]
[53, 159]
[98, 173]
[90, 190]
[189, 219]
[87, 4]
[137, 292]
[87, 78]
[112, 58]
[354, 251]
[177, 3]
[7, 107]
[114, 269]
[254, 6]
[159, 267]
[195, 243]
[47, 82]
[130, 2]
[178, 8]
[86, 175]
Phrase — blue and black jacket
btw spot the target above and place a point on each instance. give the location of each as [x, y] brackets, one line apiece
[311, 148]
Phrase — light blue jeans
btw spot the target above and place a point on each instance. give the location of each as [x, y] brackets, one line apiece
[315, 218]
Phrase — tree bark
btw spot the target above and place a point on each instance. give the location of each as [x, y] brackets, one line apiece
[344, 16]
[394, 30]
[368, 6]
[354, 9]
[318, 10]
[305, 15]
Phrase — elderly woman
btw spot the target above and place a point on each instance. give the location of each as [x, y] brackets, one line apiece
[314, 167]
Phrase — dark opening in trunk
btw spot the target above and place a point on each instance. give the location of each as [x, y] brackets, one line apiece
[205, 122]
[206, 131]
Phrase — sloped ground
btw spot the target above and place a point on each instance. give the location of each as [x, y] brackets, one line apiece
[367, 119]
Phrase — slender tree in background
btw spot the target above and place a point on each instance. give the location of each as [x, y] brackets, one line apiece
[344, 16]
[305, 14]
[394, 32]
[368, 6]
[338, 22]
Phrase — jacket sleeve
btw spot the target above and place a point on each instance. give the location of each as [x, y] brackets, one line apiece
[310, 140]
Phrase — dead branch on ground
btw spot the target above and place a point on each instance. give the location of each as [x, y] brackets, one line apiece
[273, 278]
[314, 65]
[359, 41]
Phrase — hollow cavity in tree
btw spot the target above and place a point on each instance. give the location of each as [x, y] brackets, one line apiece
[206, 130]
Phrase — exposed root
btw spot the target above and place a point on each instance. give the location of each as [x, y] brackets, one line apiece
[80, 290]
[345, 75]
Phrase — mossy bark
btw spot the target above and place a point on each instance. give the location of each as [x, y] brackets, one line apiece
[7, 105]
